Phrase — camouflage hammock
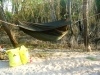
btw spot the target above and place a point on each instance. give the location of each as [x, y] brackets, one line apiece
[45, 31]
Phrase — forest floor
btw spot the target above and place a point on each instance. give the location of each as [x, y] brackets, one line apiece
[56, 62]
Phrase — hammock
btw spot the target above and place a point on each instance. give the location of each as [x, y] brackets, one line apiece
[45, 31]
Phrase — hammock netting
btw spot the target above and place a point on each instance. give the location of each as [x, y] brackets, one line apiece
[51, 31]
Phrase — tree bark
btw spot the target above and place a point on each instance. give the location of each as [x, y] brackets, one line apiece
[6, 28]
[85, 22]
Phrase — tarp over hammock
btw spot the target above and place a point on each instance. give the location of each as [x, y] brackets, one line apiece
[45, 31]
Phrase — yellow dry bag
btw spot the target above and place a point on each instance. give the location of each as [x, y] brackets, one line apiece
[14, 57]
[24, 55]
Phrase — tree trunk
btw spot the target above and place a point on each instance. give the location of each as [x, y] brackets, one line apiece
[85, 22]
[70, 41]
[52, 11]
[6, 28]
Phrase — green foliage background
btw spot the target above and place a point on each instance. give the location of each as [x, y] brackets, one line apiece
[42, 11]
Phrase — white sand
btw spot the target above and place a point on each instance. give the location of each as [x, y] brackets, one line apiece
[59, 63]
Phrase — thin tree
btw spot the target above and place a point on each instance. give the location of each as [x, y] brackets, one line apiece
[85, 22]
[70, 18]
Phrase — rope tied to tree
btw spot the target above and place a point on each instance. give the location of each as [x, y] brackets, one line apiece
[8, 23]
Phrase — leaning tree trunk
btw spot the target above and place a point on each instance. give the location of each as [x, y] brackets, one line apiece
[6, 28]
[85, 22]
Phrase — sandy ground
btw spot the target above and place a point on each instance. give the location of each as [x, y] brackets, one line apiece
[58, 63]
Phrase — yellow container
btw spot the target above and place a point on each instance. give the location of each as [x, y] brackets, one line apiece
[24, 55]
[14, 57]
